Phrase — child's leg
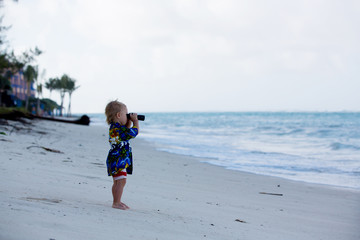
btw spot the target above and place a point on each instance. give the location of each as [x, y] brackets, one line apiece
[117, 190]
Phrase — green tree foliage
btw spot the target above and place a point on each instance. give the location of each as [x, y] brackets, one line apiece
[51, 85]
[31, 74]
[49, 105]
[9, 62]
[70, 88]
[63, 85]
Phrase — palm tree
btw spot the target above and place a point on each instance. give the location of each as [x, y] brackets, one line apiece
[64, 85]
[5, 84]
[61, 86]
[51, 84]
[30, 74]
[39, 91]
[70, 88]
[39, 88]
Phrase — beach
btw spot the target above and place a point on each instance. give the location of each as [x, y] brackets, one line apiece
[54, 185]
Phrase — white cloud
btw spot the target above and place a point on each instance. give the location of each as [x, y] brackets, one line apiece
[197, 55]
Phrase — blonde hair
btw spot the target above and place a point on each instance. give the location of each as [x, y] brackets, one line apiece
[112, 108]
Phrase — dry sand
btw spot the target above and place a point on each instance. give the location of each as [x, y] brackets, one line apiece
[67, 195]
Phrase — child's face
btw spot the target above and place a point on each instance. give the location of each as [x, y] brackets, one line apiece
[121, 116]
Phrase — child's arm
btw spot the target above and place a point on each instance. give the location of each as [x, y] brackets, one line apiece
[134, 119]
[128, 123]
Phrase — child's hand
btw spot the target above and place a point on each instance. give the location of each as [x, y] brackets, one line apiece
[133, 117]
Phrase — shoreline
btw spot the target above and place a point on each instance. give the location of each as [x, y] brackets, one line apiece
[66, 195]
[205, 161]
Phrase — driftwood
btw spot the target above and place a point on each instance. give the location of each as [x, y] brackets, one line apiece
[16, 115]
[46, 200]
[239, 220]
[274, 194]
[83, 120]
[46, 149]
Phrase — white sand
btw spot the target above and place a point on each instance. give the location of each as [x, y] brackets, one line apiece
[46, 195]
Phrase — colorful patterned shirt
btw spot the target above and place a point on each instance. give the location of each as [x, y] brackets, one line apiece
[120, 154]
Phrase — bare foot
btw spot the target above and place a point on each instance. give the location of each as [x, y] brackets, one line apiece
[119, 206]
[126, 206]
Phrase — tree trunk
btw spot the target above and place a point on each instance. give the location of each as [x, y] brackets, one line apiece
[69, 108]
[38, 106]
[62, 95]
[27, 96]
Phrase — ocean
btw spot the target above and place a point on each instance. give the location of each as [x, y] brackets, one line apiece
[315, 147]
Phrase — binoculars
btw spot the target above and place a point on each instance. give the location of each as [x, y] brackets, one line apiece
[139, 117]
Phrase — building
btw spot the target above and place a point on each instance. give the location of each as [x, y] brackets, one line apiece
[20, 87]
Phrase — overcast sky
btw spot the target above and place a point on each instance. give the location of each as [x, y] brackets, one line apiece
[197, 55]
